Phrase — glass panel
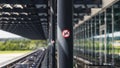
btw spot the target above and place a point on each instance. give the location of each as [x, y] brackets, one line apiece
[109, 34]
[116, 10]
[99, 38]
[96, 40]
[102, 38]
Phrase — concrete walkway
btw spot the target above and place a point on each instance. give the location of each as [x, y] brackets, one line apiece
[6, 57]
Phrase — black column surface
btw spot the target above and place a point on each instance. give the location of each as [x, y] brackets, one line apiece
[52, 18]
[65, 44]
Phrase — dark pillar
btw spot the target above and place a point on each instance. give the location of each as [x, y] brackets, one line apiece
[53, 42]
[53, 31]
[65, 33]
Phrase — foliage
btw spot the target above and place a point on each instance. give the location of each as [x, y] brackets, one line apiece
[21, 44]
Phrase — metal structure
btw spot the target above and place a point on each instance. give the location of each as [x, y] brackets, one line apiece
[97, 39]
[33, 59]
[31, 19]
[41, 19]
[26, 18]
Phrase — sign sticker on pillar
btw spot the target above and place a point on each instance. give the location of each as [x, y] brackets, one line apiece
[66, 33]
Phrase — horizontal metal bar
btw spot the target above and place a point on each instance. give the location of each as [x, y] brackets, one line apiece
[15, 60]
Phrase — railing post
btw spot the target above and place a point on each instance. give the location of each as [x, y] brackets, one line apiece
[53, 32]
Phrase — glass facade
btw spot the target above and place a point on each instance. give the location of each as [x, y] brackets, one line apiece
[98, 39]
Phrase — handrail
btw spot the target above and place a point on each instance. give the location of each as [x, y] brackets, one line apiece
[15, 60]
[83, 60]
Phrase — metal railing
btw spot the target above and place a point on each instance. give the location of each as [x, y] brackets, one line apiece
[28, 60]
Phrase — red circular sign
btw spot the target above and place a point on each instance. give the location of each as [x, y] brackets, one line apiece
[66, 33]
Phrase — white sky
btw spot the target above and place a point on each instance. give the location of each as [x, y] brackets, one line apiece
[4, 34]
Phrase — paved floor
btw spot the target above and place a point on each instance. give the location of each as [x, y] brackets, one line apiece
[7, 57]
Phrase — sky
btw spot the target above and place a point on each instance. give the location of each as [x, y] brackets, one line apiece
[4, 34]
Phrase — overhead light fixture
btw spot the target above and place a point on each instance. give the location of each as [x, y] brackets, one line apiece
[0, 7]
[6, 13]
[22, 18]
[4, 18]
[5, 22]
[14, 18]
[24, 13]
[12, 22]
[7, 6]
[19, 22]
[18, 6]
[43, 19]
[15, 13]
[41, 6]
[29, 18]
[75, 14]
[44, 14]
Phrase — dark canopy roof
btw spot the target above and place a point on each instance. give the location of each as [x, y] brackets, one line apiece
[30, 18]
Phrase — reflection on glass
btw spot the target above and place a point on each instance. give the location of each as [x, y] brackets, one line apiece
[99, 37]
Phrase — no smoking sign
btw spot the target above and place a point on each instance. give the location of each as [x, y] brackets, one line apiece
[66, 33]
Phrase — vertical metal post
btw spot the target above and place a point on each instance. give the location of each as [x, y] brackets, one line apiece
[52, 20]
[95, 28]
[53, 40]
[100, 44]
[105, 40]
[85, 37]
[88, 40]
[65, 44]
[91, 39]
[112, 35]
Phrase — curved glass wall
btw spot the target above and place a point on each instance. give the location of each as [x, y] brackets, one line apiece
[98, 39]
